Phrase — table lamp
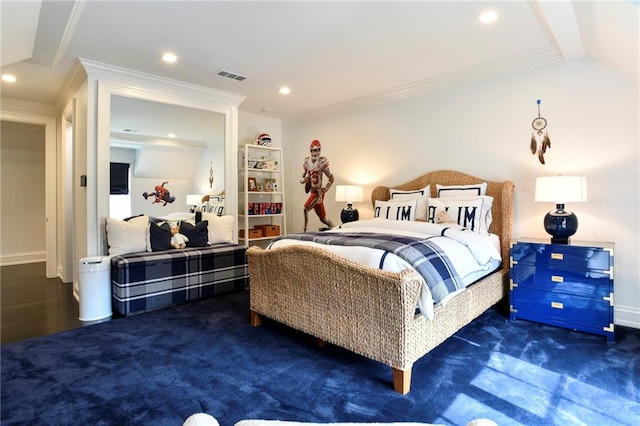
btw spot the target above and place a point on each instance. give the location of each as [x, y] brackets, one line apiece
[349, 194]
[561, 224]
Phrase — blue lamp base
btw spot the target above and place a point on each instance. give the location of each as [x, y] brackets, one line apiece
[560, 224]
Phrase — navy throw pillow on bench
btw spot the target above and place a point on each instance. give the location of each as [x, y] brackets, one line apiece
[198, 234]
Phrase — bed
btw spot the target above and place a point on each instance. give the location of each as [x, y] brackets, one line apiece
[371, 311]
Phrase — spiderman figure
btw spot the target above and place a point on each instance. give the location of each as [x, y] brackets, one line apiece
[161, 195]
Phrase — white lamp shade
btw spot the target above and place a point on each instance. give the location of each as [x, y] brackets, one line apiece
[349, 193]
[194, 199]
[561, 189]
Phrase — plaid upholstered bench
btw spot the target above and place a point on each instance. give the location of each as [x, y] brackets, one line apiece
[145, 281]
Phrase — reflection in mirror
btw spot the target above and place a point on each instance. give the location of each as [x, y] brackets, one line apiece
[172, 152]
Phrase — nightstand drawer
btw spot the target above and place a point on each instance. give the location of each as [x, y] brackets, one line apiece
[586, 283]
[565, 310]
[565, 256]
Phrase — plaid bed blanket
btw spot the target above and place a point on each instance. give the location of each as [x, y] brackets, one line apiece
[426, 257]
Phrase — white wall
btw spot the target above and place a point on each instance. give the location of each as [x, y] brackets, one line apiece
[484, 129]
[252, 125]
[22, 181]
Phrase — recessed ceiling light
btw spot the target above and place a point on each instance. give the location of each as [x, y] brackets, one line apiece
[488, 17]
[169, 57]
[171, 135]
[9, 78]
[284, 90]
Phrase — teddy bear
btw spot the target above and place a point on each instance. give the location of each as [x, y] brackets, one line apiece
[443, 217]
[178, 240]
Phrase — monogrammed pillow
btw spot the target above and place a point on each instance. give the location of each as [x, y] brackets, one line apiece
[420, 194]
[474, 213]
[396, 210]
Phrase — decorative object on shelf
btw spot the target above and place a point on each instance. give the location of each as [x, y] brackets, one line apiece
[269, 185]
[269, 230]
[253, 233]
[540, 141]
[263, 139]
[211, 176]
[160, 194]
[252, 184]
[262, 163]
[561, 224]
[194, 200]
[264, 208]
[349, 194]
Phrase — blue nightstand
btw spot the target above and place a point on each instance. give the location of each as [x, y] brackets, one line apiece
[567, 285]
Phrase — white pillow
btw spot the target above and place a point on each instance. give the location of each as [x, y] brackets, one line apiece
[396, 210]
[128, 236]
[420, 194]
[450, 191]
[473, 213]
[220, 228]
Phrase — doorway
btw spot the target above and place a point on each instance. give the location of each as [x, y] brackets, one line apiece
[23, 193]
[45, 200]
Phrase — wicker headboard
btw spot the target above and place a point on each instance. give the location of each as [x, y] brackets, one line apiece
[502, 193]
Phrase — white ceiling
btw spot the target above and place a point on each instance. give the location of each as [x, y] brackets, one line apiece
[331, 54]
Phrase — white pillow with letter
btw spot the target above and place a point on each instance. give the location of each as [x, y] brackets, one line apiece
[396, 210]
[220, 227]
[420, 194]
[473, 213]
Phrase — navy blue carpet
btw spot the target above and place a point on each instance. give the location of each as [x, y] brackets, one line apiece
[160, 367]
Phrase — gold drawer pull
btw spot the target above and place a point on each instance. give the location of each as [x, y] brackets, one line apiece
[557, 279]
[557, 305]
[557, 256]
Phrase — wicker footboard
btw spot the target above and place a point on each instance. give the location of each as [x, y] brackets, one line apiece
[365, 310]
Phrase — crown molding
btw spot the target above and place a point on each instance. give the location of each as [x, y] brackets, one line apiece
[75, 79]
[11, 109]
[128, 140]
[153, 83]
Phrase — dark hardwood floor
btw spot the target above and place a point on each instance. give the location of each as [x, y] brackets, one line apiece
[32, 305]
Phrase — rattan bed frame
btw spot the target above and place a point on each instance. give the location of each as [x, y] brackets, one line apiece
[369, 311]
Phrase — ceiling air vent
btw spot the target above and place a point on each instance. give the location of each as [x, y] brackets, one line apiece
[231, 75]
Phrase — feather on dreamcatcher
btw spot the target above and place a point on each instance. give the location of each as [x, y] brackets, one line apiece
[540, 141]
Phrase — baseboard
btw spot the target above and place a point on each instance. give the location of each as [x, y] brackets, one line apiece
[627, 316]
[61, 275]
[22, 258]
[76, 291]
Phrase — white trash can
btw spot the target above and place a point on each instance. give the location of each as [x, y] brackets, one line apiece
[95, 288]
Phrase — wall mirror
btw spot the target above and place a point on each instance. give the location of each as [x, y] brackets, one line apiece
[180, 148]
[216, 110]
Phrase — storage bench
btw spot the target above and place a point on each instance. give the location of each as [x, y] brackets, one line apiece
[146, 281]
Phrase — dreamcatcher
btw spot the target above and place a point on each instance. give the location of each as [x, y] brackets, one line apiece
[539, 137]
